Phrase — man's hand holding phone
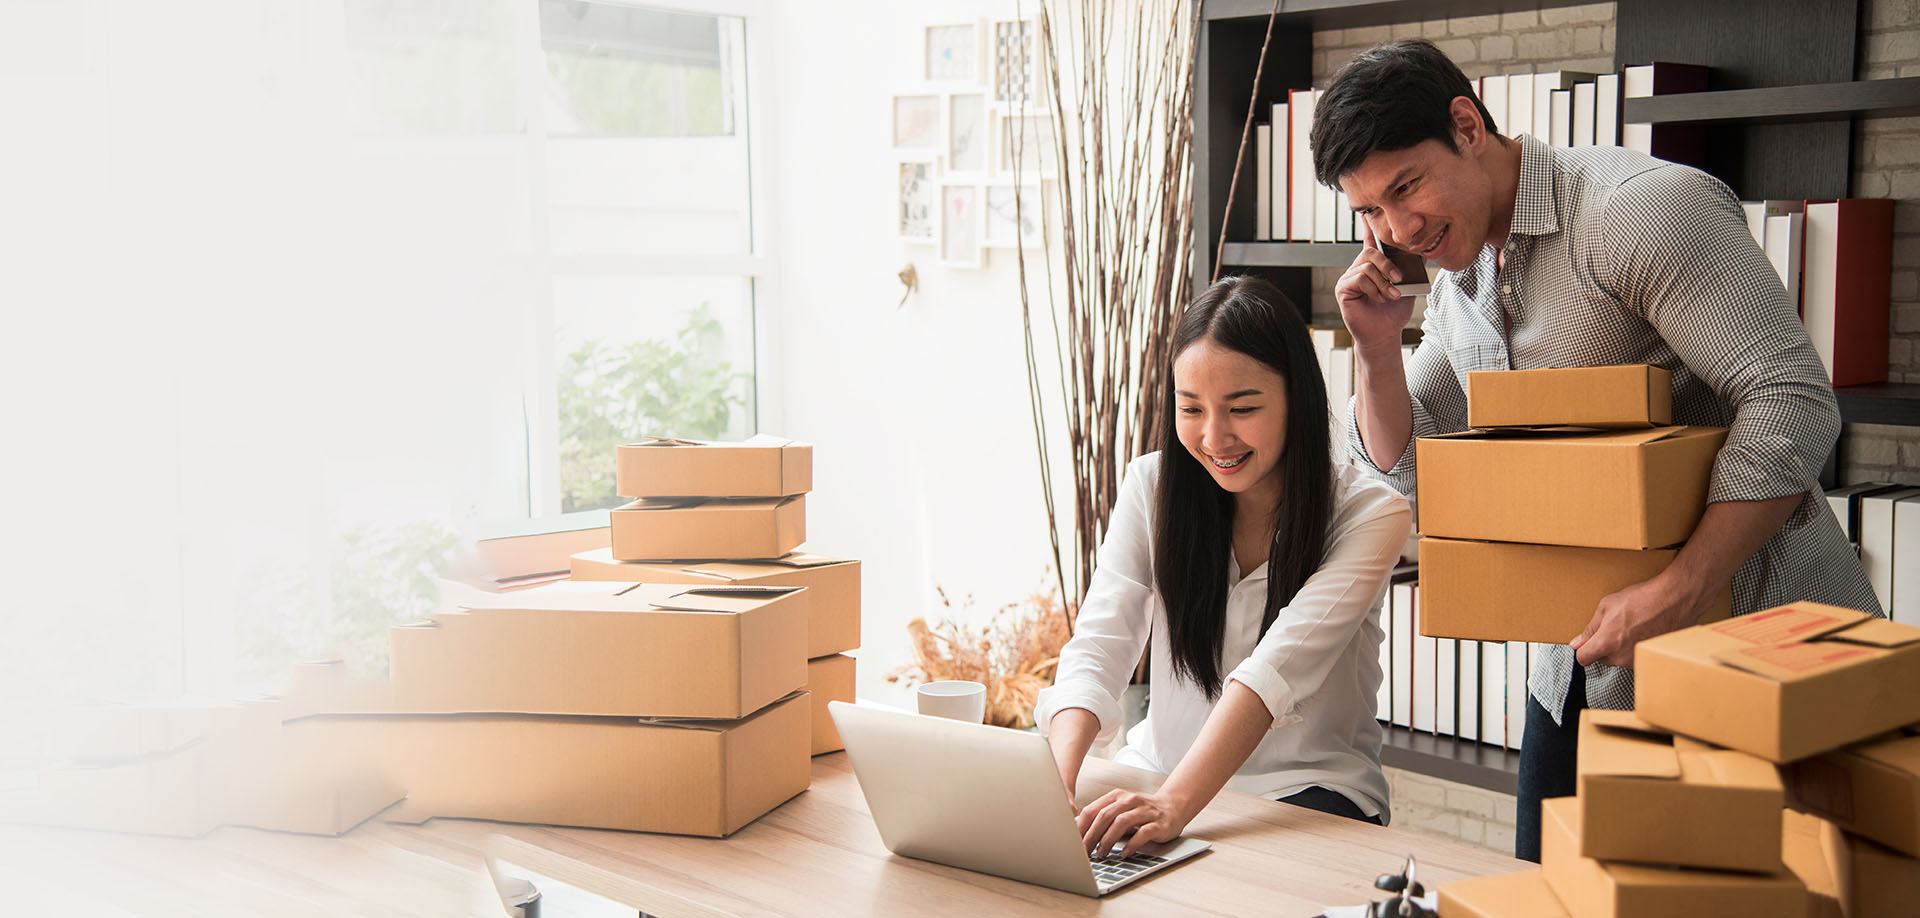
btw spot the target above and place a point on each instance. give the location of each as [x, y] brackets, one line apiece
[1376, 295]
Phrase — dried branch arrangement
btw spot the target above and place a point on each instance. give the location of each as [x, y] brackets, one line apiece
[1013, 654]
[1123, 140]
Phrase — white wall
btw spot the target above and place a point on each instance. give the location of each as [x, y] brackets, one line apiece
[924, 464]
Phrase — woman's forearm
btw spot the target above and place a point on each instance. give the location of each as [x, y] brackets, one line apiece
[1235, 727]
[1070, 736]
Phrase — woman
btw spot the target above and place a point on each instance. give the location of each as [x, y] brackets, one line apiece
[1257, 567]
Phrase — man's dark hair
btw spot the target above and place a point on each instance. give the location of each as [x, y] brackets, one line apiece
[1389, 97]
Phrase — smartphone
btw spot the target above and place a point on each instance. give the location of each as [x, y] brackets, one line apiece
[1413, 272]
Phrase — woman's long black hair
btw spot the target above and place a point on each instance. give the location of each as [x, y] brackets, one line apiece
[1193, 529]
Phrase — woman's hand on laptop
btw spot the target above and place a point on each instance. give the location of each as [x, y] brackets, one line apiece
[1136, 819]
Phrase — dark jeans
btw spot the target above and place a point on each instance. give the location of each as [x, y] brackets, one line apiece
[1329, 801]
[1547, 756]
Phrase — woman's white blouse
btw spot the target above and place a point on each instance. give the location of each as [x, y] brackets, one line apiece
[1317, 668]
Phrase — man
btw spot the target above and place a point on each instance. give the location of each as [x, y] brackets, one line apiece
[1589, 256]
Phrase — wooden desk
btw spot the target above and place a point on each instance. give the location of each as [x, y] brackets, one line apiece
[818, 854]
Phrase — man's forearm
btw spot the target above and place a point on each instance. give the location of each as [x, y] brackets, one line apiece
[1382, 409]
[1728, 534]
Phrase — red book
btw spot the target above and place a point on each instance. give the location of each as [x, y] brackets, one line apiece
[1675, 143]
[1847, 284]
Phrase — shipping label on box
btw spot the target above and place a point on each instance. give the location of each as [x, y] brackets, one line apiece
[1782, 684]
[762, 466]
[829, 679]
[694, 777]
[1652, 797]
[1609, 489]
[1591, 888]
[702, 528]
[1637, 395]
[833, 586]
[1509, 895]
[1871, 789]
[639, 649]
[1509, 591]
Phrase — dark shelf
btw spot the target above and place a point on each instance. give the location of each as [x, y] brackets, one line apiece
[1347, 14]
[1779, 104]
[1880, 403]
[1451, 759]
[1291, 254]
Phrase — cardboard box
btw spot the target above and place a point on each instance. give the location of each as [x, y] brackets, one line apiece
[1782, 684]
[1589, 888]
[1652, 797]
[628, 649]
[1848, 876]
[833, 587]
[1872, 790]
[762, 466]
[828, 679]
[1610, 489]
[1636, 395]
[1511, 591]
[1508, 895]
[298, 777]
[694, 527]
[686, 777]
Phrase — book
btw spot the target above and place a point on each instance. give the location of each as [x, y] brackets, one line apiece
[1300, 165]
[1845, 504]
[1520, 104]
[1282, 183]
[1784, 240]
[1400, 601]
[1263, 181]
[1446, 686]
[1544, 86]
[1847, 281]
[1878, 543]
[1342, 218]
[1583, 113]
[1323, 201]
[1906, 562]
[1467, 723]
[1425, 659]
[1756, 212]
[1493, 693]
[1606, 110]
[1679, 143]
[1493, 94]
[1560, 118]
[1339, 391]
[1518, 659]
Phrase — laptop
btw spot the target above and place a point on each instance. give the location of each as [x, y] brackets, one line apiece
[981, 798]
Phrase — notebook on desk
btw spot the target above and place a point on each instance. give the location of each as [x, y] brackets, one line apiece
[980, 798]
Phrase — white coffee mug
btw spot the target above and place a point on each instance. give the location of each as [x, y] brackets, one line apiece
[956, 699]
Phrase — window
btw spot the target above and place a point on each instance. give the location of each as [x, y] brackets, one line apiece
[320, 287]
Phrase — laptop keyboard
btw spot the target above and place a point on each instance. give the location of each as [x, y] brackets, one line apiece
[1110, 870]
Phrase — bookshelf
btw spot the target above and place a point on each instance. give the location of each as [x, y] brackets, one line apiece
[1778, 115]
[1778, 120]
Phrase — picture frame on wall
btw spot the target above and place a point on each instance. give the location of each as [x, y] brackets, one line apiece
[1029, 140]
[955, 53]
[1013, 215]
[1013, 59]
[916, 122]
[967, 119]
[918, 217]
[961, 223]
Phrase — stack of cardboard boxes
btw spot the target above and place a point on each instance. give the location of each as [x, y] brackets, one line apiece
[1571, 486]
[1678, 806]
[765, 479]
[666, 704]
